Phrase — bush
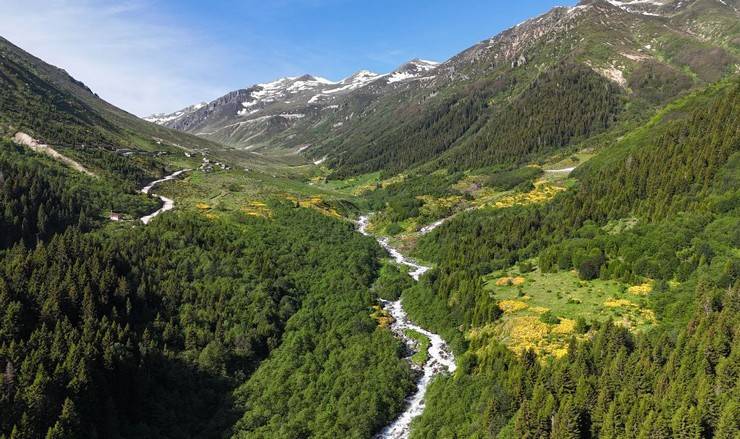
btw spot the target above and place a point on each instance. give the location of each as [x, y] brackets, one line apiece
[507, 180]
[582, 326]
[525, 267]
[393, 229]
[549, 318]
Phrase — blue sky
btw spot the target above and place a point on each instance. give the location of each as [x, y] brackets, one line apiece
[160, 55]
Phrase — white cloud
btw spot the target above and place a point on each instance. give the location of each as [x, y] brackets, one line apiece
[127, 52]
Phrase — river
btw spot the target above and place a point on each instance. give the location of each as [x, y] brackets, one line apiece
[169, 204]
[440, 358]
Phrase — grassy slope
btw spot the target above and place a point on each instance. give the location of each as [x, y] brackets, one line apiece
[36, 91]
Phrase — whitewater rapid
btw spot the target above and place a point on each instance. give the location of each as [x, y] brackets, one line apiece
[440, 359]
[169, 204]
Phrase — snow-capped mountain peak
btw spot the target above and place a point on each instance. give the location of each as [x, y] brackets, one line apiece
[281, 90]
[362, 76]
[412, 70]
[163, 118]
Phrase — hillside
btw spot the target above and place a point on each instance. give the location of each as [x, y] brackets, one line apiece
[537, 238]
[112, 328]
[623, 60]
[46, 103]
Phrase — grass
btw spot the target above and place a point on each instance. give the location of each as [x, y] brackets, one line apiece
[351, 186]
[237, 189]
[542, 193]
[422, 341]
[570, 161]
[525, 297]
[566, 296]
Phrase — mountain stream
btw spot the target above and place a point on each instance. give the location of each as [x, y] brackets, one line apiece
[440, 358]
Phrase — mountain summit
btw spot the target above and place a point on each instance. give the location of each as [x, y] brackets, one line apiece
[254, 115]
[645, 51]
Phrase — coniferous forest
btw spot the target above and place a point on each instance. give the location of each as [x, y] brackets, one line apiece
[537, 238]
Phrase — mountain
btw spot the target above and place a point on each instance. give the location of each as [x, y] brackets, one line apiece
[644, 53]
[277, 112]
[52, 107]
[569, 191]
[461, 118]
[163, 118]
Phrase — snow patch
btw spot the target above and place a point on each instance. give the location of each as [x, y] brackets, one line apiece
[628, 6]
[163, 118]
[292, 115]
[247, 112]
[400, 76]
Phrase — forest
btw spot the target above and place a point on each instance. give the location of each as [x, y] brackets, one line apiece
[254, 309]
[477, 128]
[679, 380]
[146, 331]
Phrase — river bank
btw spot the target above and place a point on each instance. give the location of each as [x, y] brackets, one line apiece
[440, 358]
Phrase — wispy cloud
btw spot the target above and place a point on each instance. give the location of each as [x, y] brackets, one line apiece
[125, 51]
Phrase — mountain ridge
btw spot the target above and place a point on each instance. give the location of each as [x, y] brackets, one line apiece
[682, 43]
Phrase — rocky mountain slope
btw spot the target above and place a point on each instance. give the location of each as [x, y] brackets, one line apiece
[272, 113]
[643, 53]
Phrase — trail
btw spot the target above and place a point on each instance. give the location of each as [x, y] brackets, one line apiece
[440, 358]
[169, 204]
[24, 139]
[428, 228]
[557, 171]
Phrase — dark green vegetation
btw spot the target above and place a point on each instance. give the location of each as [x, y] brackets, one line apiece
[144, 332]
[391, 281]
[664, 385]
[567, 102]
[678, 176]
[422, 354]
[135, 331]
[520, 177]
[40, 198]
[400, 200]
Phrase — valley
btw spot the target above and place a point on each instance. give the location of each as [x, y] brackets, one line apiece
[538, 237]
[440, 359]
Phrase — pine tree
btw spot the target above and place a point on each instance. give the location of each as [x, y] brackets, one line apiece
[728, 425]
[567, 422]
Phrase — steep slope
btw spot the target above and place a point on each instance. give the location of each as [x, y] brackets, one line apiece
[622, 58]
[646, 58]
[284, 112]
[111, 329]
[46, 103]
[672, 185]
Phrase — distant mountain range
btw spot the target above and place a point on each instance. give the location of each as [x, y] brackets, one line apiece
[644, 52]
[248, 117]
